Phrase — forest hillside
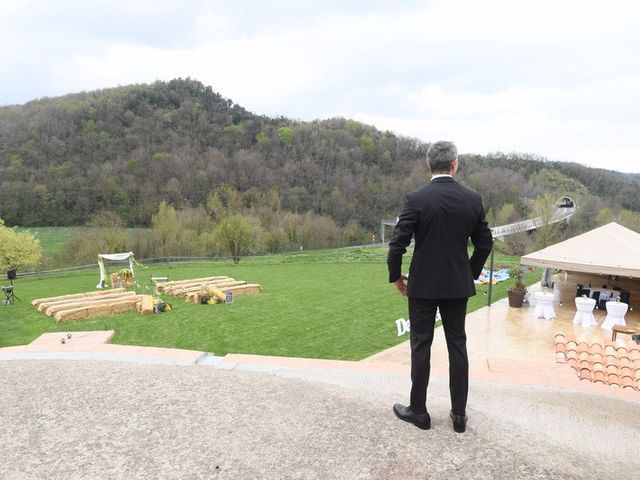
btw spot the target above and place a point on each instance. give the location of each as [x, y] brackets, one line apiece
[125, 150]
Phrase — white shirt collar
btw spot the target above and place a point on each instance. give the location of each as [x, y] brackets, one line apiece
[441, 175]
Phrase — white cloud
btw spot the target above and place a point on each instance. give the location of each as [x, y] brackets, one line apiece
[560, 79]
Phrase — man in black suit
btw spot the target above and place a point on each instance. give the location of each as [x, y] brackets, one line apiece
[442, 216]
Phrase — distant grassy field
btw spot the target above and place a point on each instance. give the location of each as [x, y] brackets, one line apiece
[333, 304]
[51, 238]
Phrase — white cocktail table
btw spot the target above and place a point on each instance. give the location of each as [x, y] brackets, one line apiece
[584, 315]
[544, 306]
[615, 314]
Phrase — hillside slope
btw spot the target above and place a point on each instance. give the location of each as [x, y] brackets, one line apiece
[125, 149]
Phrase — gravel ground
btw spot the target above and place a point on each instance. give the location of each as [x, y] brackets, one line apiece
[100, 420]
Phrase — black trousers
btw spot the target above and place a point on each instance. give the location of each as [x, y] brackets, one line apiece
[422, 317]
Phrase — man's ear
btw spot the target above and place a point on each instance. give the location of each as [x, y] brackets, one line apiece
[454, 166]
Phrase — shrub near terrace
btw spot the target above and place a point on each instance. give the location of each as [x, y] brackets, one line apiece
[18, 249]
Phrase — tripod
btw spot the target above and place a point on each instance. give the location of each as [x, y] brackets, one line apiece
[9, 294]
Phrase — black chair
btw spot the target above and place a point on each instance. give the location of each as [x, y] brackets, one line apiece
[582, 291]
[625, 296]
[596, 296]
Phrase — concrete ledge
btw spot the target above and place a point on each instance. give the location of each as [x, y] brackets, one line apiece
[96, 356]
[96, 346]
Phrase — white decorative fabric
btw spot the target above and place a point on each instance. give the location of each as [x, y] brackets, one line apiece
[544, 306]
[615, 315]
[584, 315]
[114, 257]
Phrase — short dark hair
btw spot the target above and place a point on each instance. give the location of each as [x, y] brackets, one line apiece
[440, 155]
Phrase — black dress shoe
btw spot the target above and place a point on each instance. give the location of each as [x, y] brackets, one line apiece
[459, 422]
[420, 420]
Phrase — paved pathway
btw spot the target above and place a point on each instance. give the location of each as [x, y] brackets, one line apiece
[509, 345]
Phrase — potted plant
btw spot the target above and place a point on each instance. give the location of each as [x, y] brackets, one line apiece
[517, 292]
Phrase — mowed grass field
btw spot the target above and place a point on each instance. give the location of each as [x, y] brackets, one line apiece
[334, 304]
[51, 238]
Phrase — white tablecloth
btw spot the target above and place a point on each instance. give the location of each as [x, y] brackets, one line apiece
[544, 306]
[584, 315]
[615, 315]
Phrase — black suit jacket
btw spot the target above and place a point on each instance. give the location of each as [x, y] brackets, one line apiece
[442, 216]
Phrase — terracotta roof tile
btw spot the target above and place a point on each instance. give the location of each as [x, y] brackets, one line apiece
[612, 369]
[599, 377]
[585, 374]
[627, 372]
[596, 358]
[559, 338]
[613, 379]
[627, 382]
[611, 360]
[600, 362]
[626, 362]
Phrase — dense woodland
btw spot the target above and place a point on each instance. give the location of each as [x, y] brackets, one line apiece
[116, 154]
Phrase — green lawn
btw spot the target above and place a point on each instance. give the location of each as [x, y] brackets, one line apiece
[333, 304]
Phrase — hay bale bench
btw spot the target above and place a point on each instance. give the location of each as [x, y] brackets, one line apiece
[192, 289]
[80, 306]
[98, 293]
[170, 287]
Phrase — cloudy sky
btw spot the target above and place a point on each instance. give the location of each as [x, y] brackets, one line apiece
[560, 79]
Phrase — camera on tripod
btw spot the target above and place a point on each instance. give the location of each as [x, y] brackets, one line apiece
[8, 290]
